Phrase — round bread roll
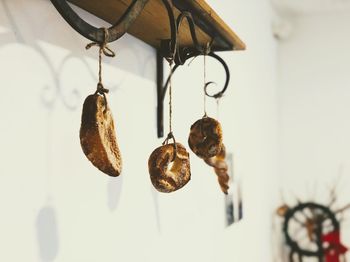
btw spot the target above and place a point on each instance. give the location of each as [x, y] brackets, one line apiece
[220, 166]
[97, 136]
[205, 139]
[169, 172]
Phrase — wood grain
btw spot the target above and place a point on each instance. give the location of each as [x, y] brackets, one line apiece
[152, 25]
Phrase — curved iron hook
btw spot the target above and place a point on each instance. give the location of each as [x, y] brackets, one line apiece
[173, 32]
[97, 34]
[227, 71]
[181, 57]
[120, 27]
[217, 95]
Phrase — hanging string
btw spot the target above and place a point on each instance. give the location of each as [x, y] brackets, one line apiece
[103, 49]
[170, 134]
[171, 98]
[205, 84]
[218, 108]
[170, 87]
[171, 61]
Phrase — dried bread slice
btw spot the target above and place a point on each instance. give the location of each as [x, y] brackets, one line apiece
[97, 136]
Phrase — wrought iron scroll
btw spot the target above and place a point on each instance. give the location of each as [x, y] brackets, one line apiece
[216, 95]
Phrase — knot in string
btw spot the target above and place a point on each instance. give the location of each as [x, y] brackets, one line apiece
[104, 49]
[169, 136]
[101, 90]
[166, 142]
[207, 48]
[103, 45]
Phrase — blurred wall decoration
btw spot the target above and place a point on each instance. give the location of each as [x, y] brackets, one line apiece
[313, 230]
[314, 95]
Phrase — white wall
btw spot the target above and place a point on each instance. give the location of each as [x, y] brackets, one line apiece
[56, 207]
[314, 110]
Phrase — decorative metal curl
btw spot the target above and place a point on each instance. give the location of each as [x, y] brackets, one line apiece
[216, 95]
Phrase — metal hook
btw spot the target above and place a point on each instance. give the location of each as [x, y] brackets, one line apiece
[216, 95]
[185, 53]
[181, 58]
[227, 71]
[97, 34]
[170, 46]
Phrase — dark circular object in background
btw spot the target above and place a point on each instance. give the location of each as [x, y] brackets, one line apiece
[321, 215]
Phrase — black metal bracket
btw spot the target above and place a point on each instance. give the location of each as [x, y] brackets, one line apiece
[169, 49]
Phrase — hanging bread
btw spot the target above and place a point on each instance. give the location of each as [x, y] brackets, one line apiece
[205, 139]
[169, 167]
[220, 166]
[97, 136]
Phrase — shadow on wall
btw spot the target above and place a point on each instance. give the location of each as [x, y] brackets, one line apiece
[71, 96]
[156, 207]
[47, 234]
[130, 54]
[114, 189]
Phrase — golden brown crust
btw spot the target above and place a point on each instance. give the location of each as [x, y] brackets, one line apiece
[97, 136]
[205, 139]
[168, 179]
[219, 164]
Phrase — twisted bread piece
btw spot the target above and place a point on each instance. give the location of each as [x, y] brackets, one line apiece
[169, 167]
[97, 136]
[220, 166]
[205, 138]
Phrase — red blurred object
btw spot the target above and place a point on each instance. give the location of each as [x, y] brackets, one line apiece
[334, 247]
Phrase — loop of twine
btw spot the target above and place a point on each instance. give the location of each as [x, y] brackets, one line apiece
[166, 142]
[103, 49]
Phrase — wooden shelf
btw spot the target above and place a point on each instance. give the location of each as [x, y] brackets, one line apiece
[152, 25]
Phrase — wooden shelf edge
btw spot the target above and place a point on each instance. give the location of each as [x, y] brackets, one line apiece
[152, 25]
[200, 6]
